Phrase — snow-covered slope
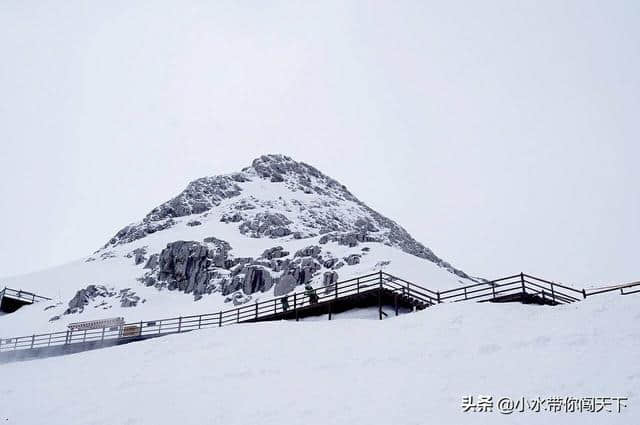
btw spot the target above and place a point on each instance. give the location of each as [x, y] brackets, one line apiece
[414, 369]
[228, 240]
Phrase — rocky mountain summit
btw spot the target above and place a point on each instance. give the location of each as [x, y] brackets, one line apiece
[300, 203]
[263, 230]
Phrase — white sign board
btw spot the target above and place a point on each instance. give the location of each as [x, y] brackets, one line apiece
[97, 324]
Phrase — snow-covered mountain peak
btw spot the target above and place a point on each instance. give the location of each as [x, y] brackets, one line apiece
[232, 238]
[248, 190]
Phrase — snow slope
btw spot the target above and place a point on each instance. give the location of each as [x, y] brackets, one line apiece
[414, 369]
[232, 223]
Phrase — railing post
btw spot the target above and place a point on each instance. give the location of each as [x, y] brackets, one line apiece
[179, 324]
[438, 294]
[380, 297]
[553, 294]
[493, 290]
[465, 292]
[200, 322]
[101, 339]
[295, 304]
[33, 340]
[238, 315]
[220, 319]
[256, 310]
[49, 344]
[357, 285]
[140, 331]
[522, 282]
[584, 293]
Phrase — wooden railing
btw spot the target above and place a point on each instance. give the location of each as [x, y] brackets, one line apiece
[495, 290]
[514, 285]
[22, 295]
[631, 288]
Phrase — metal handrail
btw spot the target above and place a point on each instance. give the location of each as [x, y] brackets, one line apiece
[20, 294]
[613, 288]
[378, 281]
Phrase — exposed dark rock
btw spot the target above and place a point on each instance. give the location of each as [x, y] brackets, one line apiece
[86, 295]
[275, 252]
[352, 259]
[139, 231]
[231, 285]
[193, 223]
[107, 254]
[152, 263]
[220, 254]
[365, 225]
[244, 205]
[219, 243]
[238, 298]
[128, 298]
[350, 239]
[310, 251]
[272, 225]
[235, 217]
[330, 262]
[148, 280]
[240, 178]
[83, 297]
[329, 280]
[284, 285]
[256, 279]
[184, 266]
[303, 176]
[139, 255]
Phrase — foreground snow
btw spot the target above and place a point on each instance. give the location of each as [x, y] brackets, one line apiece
[414, 369]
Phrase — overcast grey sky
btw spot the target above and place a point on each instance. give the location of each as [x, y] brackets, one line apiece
[503, 135]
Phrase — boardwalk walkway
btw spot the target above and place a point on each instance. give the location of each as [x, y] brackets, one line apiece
[373, 290]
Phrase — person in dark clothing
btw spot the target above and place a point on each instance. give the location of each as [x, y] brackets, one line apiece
[285, 303]
[311, 293]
